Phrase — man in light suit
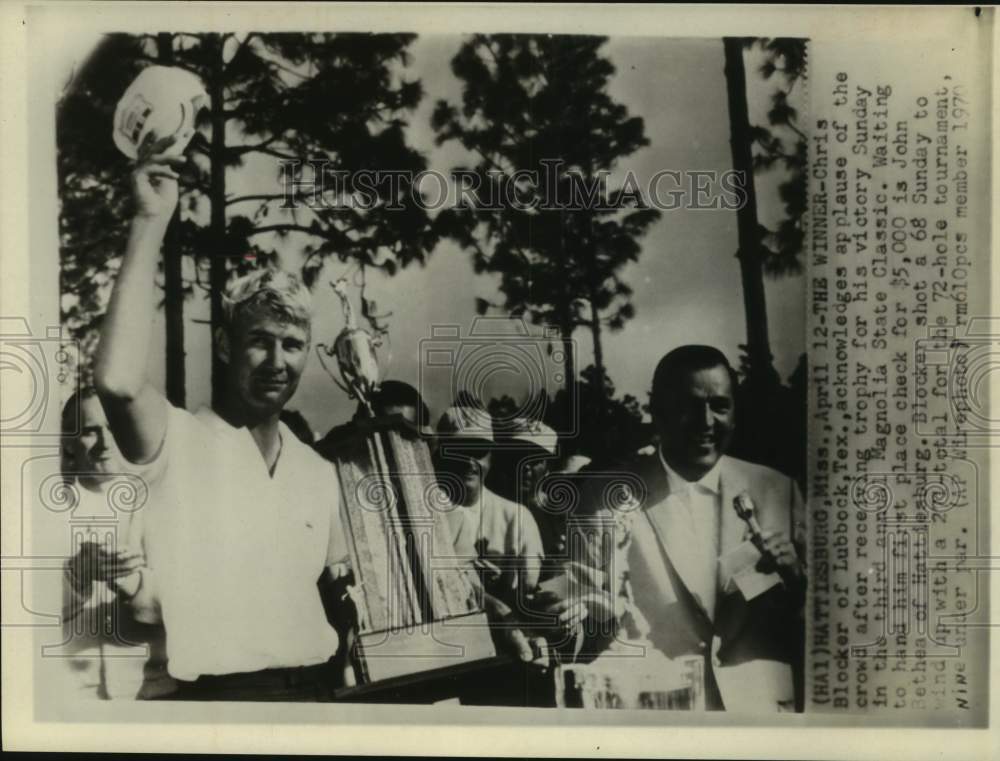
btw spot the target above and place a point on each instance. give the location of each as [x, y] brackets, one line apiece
[694, 576]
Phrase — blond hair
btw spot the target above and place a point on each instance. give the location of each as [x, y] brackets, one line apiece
[273, 291]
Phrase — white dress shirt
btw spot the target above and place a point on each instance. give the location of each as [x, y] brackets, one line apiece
[694, 513]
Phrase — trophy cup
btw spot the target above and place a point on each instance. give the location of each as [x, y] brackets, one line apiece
[419, 609]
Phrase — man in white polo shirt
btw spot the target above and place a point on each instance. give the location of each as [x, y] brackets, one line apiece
[246, 518]
[488, 527]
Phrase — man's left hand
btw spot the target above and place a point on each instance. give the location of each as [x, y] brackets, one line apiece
[781, 548]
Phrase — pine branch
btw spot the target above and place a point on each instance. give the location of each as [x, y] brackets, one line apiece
[269, 152]
[327, 233]
[156, 60]
[239, 50]
[260, 197]
[796, 130]
[275, 64]
[249, 148]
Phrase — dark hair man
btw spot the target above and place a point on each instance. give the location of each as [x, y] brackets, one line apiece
[392, 398]
[694, 573]
[398, 398]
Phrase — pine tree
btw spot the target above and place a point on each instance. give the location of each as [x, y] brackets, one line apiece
[536, 112]
[763, 402]
[756, 148]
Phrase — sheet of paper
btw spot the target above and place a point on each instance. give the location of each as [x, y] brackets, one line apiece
[737, 569]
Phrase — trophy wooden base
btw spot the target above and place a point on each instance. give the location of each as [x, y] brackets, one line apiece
[412, 650]
[496, 681]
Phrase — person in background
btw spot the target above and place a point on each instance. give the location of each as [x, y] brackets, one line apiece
[498, 537]
[105, 601]
[500, 532]
[245, 518]
[393, 397]
[529, 454]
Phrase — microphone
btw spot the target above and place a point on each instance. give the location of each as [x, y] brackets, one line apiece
[747, 512]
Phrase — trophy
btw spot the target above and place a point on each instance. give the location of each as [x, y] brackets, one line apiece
[419, 606]
[354, 350]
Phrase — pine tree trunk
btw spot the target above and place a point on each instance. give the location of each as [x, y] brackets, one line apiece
[595, 328]
[173, 283]
[751, 266]
[571, 419]
[572, 416]
[217, 222]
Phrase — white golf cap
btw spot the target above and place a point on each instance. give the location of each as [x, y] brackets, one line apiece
[468, 423]
[162, 101]
[534, 432]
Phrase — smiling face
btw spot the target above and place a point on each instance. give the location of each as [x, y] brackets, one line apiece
[266, 356]
[464, 471]
[94, 453]
[695, 420]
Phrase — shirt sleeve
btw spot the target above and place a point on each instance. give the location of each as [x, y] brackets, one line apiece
[177, 422]
[530, 547]
[463, 532]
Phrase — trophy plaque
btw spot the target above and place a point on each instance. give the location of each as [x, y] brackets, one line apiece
[419, 606]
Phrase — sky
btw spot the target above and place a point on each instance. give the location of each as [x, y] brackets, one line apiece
[686, 282]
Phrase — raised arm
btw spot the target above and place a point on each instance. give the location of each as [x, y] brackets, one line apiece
[136, 411]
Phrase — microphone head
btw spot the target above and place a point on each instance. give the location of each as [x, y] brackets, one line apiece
[744, 506]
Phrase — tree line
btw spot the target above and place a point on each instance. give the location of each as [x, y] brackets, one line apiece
[347, 100]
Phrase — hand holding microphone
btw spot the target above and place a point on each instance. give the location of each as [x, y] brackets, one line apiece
[777, 551]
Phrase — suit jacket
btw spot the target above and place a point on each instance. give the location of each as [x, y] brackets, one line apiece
[767, 627]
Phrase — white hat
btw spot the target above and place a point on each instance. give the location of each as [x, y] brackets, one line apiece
[466, 423]
[534, 432]
[162, 101]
